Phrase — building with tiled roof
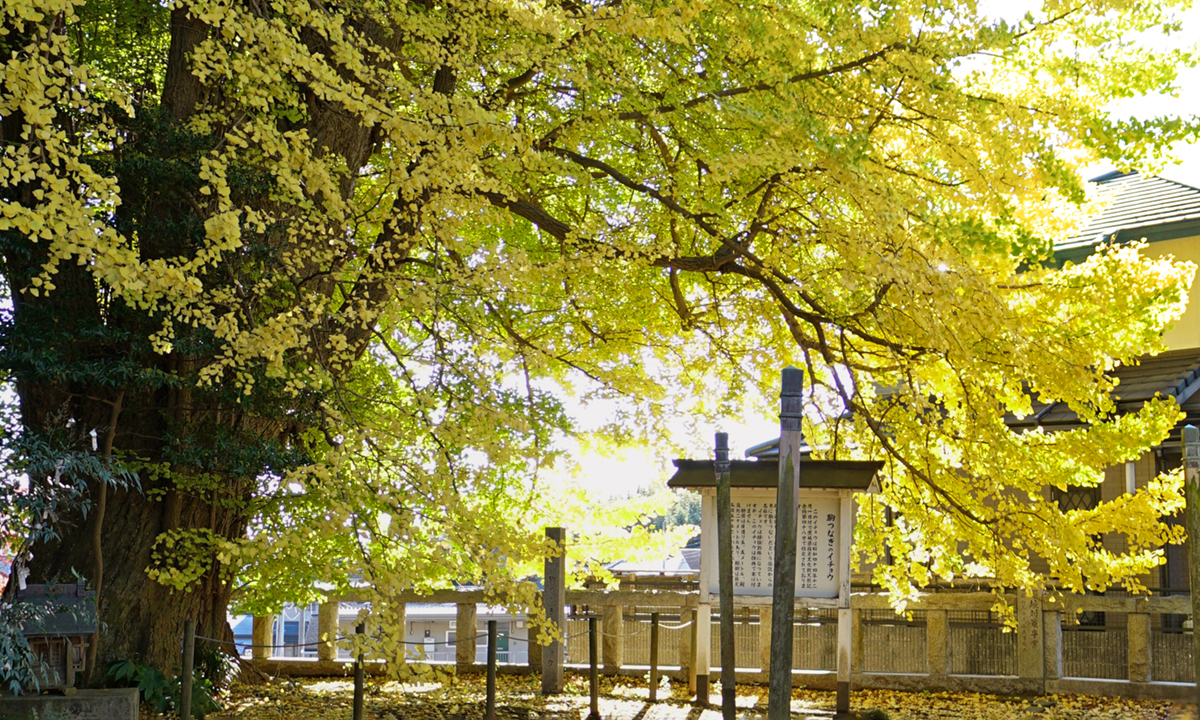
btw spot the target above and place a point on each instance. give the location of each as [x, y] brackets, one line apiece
[1165, 213]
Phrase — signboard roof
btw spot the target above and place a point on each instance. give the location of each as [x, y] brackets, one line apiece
[814, 474]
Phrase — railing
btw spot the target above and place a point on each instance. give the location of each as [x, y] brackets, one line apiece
[1128, 646]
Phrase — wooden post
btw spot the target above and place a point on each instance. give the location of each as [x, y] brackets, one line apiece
[490, 712]
[845, 620]
[784, 596]
[593, 667]
[262, 637]
[708, 581]
[764, 638]
[554, 598]
[327, 630]
[703, 639]
[725, 578]
[1139, 647]
[185, 687]
[687, 647]
[358, 679]
[466, 623]
[1191, 465]
[613, 641]
[937, 630]
[653, 657]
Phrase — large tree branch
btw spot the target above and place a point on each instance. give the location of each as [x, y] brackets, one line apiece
[532, 212]
[764, 87]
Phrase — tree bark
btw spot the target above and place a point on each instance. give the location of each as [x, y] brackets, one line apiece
[139, 618]
[142, 619]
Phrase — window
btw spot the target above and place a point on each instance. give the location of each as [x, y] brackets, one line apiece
[1077, 498]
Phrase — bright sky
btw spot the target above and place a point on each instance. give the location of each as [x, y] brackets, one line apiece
[622, 474]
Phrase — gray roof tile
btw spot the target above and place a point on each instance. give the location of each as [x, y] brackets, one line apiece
[1138, 203]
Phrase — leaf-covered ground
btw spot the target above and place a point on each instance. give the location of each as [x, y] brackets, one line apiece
[518, 698]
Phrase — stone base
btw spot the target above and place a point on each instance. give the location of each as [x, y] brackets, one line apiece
[120, 704]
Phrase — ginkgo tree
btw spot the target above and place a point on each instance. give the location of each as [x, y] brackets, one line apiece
[316, 275]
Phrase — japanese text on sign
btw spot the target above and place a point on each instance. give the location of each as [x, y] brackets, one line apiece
[817, 553]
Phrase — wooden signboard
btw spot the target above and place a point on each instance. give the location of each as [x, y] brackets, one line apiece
[824, 530]
[819, 551]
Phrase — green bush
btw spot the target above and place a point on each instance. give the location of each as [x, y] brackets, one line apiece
[163, 693]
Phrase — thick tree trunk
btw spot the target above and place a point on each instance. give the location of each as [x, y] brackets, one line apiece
[78, 332]
[140, 618]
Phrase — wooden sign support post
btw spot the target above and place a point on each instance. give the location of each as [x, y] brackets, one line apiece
[554, 600]
[844, 627]
[725, 578]
[784, 587]
[1191, 492]
[769, 541]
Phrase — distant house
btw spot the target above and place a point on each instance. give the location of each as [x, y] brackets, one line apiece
[430, 629]
[1166, 214]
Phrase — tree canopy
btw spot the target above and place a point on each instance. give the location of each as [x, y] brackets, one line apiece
[317, 275]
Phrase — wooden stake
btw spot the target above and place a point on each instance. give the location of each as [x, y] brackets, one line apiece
[653, 657]
[784, 597]
[554, 600]
[594, 670]
[1191, 485]
[358, 680]
[725, 577]
[185, 687]
[490, 713]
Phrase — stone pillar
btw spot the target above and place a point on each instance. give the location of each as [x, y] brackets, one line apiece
[465, 629]
[400, 617]
[1030, 651]
[1139, 647]
[612, 634]
[687, 649]
[327, 630]
[534, 660]
[764, 638]
[858, 654]
[937, 636]
[262, 636]
[686, 667]
[1052, 637]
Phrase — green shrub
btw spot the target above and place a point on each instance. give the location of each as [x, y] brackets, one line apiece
[163, 693]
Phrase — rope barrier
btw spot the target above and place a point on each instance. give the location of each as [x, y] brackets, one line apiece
[662, 626]
[337, 639]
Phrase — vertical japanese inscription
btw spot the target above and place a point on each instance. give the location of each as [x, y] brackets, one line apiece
[753, 525]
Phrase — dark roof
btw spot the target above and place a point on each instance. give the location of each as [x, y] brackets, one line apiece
[816, 474]
[1174, 374]
[69, 610]
[770, 449]
[1140, 206]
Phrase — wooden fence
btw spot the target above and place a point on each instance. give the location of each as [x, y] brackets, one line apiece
[1130, 647]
